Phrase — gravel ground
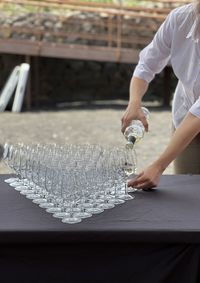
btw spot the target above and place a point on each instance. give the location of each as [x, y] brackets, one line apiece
[81, 125]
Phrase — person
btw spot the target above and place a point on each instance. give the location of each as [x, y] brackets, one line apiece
[177, 40]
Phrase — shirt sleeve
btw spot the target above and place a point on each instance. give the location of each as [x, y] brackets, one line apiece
[195, 109]
[155, 56]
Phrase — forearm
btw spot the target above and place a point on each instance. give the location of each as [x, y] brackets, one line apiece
[182, 137]
[138, 88]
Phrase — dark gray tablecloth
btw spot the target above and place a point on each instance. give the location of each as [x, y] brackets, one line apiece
[169, 214]
[153, 238]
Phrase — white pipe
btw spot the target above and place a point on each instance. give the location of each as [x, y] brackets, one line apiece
[9, 88]
[21, 86]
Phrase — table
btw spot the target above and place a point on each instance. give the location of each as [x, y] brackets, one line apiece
[153, 238]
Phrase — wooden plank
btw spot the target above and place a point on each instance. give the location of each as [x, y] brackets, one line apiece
[73, 51]
[13, 46]
[89, 53]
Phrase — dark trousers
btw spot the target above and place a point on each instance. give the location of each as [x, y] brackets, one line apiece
[188, 162]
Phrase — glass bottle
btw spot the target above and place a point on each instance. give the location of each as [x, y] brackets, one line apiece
[135, 131]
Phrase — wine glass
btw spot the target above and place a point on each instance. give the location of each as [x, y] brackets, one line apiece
[122, 170]
[130, 165]
[8, 155]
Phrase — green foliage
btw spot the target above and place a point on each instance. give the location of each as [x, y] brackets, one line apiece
[11, 9]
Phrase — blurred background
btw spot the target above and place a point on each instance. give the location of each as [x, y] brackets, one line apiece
[82, 55]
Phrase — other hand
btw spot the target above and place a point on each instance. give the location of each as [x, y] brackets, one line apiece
[149, 178]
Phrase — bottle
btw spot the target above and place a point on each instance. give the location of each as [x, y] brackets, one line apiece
[135, 131]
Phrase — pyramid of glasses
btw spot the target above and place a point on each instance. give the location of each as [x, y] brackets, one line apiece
[71, 181]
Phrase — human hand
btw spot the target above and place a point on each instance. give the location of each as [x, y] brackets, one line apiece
[133, 112]
[149, 178]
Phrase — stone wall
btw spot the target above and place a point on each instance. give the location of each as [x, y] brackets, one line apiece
[63, 80]
[76, 27]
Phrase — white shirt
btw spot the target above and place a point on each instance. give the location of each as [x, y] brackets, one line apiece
[176, 40]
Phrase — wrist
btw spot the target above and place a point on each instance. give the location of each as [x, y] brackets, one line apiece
[161, 165]
[135, 103]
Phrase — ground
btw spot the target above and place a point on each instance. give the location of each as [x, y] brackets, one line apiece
[83, 125]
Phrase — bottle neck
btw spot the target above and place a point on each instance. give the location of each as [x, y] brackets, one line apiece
[130, 142]
[131, 139]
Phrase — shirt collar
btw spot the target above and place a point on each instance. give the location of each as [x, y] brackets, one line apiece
[194, 32]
